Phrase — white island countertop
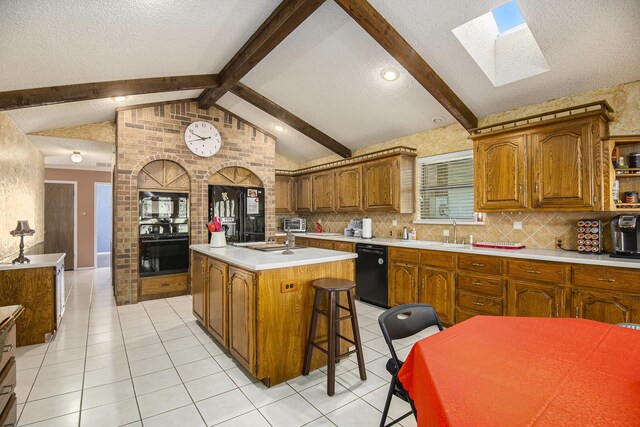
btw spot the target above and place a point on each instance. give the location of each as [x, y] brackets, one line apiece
[255, 260]
[553, 255]
[37, 261]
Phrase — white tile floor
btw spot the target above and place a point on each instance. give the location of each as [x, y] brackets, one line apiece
[150, 364]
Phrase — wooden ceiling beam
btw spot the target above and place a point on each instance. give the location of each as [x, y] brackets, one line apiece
[373, 23]
[286, 18]
[24, 98]
[273, 109]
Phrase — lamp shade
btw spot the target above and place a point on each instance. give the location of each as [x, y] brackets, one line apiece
[76, 157]
[23, 229]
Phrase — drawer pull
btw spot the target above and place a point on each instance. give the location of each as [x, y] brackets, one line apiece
[477, 264]
[533, 272]
[477, 283]
[165, 284]
[606, 279]
[477, 303]
[9, 387]
[7, 348]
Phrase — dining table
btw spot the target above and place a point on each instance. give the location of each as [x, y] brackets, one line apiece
[512, 371]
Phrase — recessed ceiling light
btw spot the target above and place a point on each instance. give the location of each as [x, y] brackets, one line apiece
[437, 120]
[279, 128]
[389, 74]
[119, 98]
[76, 157]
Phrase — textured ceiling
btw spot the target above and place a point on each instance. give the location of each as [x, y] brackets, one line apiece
[57, 152]
[326, 71]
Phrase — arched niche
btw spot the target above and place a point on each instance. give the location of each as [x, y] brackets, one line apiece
[163, 175]
[237, 176]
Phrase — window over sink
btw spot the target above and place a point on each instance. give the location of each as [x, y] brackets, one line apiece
[446, 188]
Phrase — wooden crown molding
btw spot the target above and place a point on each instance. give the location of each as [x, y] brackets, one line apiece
[373, 23]
[286, 18]
[290, 119]
[24, 98]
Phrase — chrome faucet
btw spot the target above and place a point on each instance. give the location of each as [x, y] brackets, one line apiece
[455, 232]
[291, 243]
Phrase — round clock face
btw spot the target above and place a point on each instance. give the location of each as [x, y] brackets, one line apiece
[202, 138]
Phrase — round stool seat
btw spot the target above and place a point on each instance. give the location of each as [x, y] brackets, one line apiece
[332, 285]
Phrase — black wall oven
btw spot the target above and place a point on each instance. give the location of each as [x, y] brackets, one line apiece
[164, 254]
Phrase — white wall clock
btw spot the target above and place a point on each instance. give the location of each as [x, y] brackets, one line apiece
[202, 138]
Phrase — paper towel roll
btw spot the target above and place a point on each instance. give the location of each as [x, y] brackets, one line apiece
[366, 228]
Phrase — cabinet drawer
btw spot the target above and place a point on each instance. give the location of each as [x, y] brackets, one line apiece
[462, 315]
[9, 414]
[9, 345]
[607, 278]
[7, 381]
[406, 255]
[479, 303]
[321, 244]
[482, 285]
[344, 246]
[535, 270]
[480, 264]
[158, 285]
[437, 259]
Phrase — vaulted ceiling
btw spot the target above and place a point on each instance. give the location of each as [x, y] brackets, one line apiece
[326, 72]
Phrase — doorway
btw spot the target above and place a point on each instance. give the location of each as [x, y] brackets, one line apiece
[103, 223]
[60, 220]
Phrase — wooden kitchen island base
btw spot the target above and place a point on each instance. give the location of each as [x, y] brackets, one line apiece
[262, 316]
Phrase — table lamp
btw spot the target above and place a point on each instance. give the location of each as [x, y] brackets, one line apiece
[22, 229]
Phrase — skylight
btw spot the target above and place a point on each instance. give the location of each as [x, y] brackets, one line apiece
[502, 45]
[507, 16]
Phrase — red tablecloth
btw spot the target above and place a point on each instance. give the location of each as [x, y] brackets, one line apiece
[510, 371]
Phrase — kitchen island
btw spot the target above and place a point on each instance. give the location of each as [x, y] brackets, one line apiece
[258, 304]
[39, 287]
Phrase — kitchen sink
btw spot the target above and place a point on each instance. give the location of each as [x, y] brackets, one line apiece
[274, 248]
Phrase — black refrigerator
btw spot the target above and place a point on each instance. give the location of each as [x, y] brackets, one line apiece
[241, 211]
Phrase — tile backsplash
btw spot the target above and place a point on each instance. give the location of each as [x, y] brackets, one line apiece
[539, 229]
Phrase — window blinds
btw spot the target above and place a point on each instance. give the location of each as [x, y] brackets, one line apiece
[446, 187]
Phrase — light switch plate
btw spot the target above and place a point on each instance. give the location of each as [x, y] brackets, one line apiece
[517, 225]
[445, 233]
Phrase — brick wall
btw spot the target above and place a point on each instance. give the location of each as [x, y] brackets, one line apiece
[149, 133]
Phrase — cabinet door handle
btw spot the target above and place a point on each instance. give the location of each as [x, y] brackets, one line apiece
[577, 312]
[520, 188]
[9, 387]
[536, 190]
[477, 264]
[7, 348]
[423, 283]
[606, 279]
[477, 303]
[534, 272]
[557, 311]
[477, 283]
[165, 284]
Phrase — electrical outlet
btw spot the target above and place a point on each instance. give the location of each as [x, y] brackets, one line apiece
[517, 225]
[390, 233]
[288, 286]
[394, 222]
[559, 242]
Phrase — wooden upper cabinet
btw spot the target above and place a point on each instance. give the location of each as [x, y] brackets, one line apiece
[218, 301]
[198, 285]
[379, 185]
[349, 189]
[436, 289]
[323, 191]
[500, 174]
[303, 193]
[532, 299]
[561, 166]
[284, 194]
[242, 331]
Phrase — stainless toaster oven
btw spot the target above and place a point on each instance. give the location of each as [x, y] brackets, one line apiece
[295, 225]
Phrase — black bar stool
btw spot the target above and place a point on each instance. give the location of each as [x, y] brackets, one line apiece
[333, 287]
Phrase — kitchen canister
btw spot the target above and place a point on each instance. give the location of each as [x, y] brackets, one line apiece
[218, 239]
[367, 228]
[634, 162]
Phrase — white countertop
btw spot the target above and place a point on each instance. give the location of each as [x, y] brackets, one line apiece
[255, 260]
[554, 255]
[37, 261]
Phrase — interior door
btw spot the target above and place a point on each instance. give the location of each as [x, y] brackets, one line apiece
[59, 230]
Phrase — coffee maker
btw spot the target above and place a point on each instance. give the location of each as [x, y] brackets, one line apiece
[625, 236]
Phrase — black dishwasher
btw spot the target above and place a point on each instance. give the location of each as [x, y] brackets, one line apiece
[371, 274]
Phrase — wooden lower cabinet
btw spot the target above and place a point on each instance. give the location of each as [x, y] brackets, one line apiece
[242, 300]
[169, 285]
[531, 299]
[218, 301]
[198, 286]
[437, 290]
[608, 307]
[319, 243]
[402, 283]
